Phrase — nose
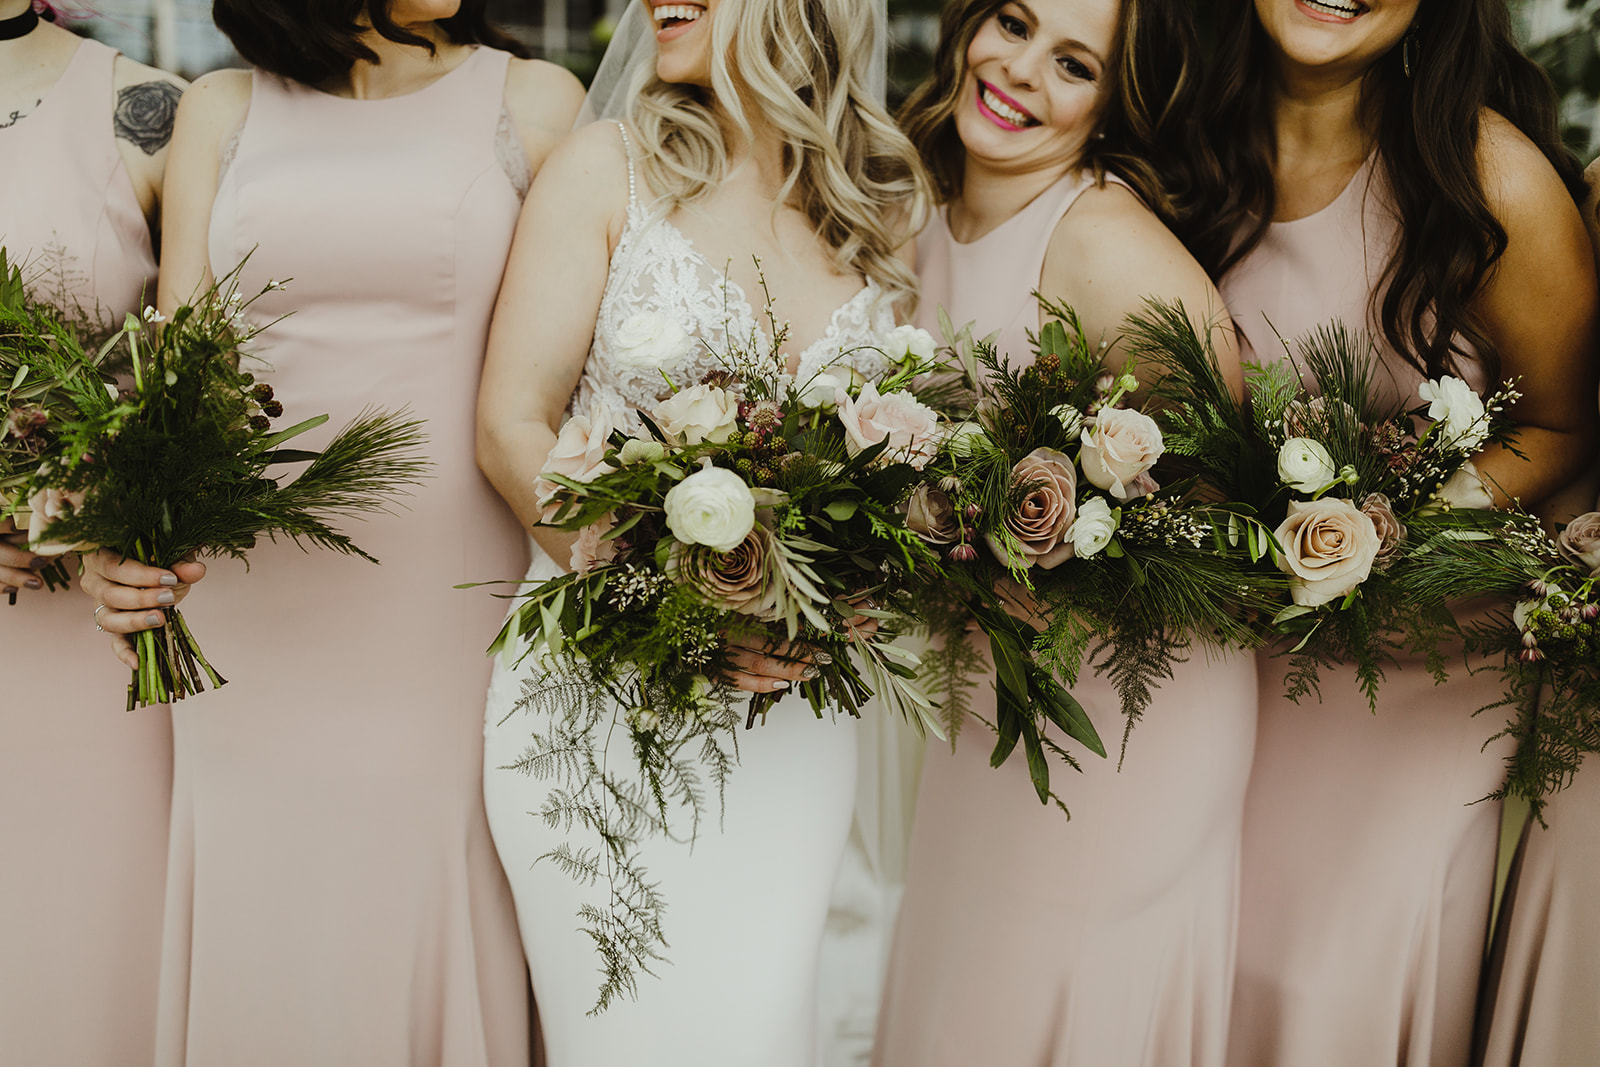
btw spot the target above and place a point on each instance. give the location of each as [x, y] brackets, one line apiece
[1022, 67]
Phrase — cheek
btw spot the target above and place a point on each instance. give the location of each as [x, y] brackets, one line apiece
[1073, 110]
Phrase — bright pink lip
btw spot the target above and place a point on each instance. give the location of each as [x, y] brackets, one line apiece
[987, 112]
[1327, 16]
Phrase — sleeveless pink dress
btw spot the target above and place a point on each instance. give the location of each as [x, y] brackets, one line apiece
[1106, 940]
[1368, 870]
[334, 898]
[84, 786]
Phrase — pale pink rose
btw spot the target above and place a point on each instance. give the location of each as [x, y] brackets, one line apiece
[930, 516]
[579, 453]
[699, 413]
[1580, 541]
[45, 507]
[1044, 517]
[1329, 547]
[593, 547]
[910, 425]
[1121, 445]
[739, 580]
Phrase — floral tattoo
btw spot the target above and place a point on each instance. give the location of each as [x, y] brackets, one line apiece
[145, 114]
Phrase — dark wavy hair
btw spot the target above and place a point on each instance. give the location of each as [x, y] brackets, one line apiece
[1425, 129]
[316, 41]
[1155, 82]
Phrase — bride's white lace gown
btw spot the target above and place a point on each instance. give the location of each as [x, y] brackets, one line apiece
[747, 905]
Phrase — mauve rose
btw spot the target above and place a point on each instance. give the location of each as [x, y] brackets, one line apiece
[910, 425]
[579, 453]
[1043, 519]
[1580, 541]
[1391, 531]
[592, 547]
[1328, 548]
[1120, 446]
[930, 516]
[740, 580]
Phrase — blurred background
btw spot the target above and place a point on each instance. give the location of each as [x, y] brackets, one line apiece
[1564, 35]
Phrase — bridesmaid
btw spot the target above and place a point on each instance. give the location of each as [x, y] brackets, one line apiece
[1026, 938]
[1396, 166]
[1542, 995]
[333, 895]
[84, 788]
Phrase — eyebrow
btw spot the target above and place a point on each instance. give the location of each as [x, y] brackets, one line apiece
[1070, 42]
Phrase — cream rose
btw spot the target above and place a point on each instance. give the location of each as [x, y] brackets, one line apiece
[737, 580]
[1304, 465]
[593, 547]
[821, 391]
[911, 427]
[1329, 547]
[1580, 541]
[698, 413]
[1091, 531]
[1044, 517]
[930, 516]
[44, 508]
[712, 507]
[579, 453]
[651, 341]
[1458, 412]
[1120, 446]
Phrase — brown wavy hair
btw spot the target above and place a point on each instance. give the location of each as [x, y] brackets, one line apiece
[1155, 82]
[1425, 130]
[317, 41]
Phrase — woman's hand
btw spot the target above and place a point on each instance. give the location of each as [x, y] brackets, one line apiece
[18, 567]
[770, 664]
[129, 596]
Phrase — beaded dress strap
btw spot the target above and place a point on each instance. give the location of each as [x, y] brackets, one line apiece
[627, 150]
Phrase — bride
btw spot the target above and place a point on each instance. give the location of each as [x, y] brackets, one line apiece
[753, 155]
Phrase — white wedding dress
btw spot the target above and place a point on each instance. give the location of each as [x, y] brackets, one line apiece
[747, 904]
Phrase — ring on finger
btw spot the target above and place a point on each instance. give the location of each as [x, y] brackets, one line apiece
[98, 628]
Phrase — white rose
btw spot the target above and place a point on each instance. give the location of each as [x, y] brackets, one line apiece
[1121, 445]
[905, 343]
[821, 392]
[911, 427]
[579, 452]
[1304, 465]
[1458, 410]
[711, 507]
[1465, 489]
[699, 413]
[1094, 526]
[650, 340]
[1329, 547]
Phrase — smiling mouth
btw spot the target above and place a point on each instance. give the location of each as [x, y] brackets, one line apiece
[1344, 9]
[1002, 107]
[671, 15]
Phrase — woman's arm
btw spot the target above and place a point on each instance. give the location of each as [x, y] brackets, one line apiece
[210, 112]
[1539, 306]
[143, 114]
[543, 100]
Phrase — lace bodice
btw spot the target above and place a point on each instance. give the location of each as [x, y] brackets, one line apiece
[657, 274]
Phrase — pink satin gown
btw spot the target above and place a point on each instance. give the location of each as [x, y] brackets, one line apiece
[334, 896]
[1368, 869]
[1106, 940]
[84, 785]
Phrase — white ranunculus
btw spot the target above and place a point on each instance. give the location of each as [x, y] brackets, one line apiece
[651, 341]
[1458, 411]
[698, 413]
[905, 343]
[1304, 465]
[711, 507]
[1092, 529]
[821, 391]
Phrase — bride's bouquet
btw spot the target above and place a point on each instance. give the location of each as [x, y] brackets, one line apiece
[748, 505]
[182, 463]
[1046, 503]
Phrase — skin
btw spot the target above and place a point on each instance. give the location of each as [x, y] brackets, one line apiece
[1109, 252]
[30, 66]
[542, 98]
[578, 206]
[1539, 304]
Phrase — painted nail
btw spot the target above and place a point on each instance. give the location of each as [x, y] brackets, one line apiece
[166, 596]
[811, 672]
[154, 619]
[34, 583]
[169, 579]
[780, 684]
[822, 658]
[39, 563]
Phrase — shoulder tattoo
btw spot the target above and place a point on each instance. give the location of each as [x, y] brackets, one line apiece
[145, 114]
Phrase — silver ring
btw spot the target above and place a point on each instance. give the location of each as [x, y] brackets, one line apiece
[98, 628]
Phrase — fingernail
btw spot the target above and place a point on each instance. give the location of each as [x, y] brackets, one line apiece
[812, 671]
[34, 583]
[166, 596]
[155, 618]
[823, 658]
[780, 684]
[38, 563]
[169, 579]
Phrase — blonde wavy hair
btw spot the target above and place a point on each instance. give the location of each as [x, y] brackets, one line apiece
[802, 66]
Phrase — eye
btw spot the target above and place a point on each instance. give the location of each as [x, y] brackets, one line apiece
[1076, 68]
[1011, 26]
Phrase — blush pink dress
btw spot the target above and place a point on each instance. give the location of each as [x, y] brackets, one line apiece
[1368, 869]
[1028, 939]
[334, 898]
[84, 786]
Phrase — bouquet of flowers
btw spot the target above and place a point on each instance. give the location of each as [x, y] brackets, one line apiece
[1048, 495]
[750, 504]
[180, 464]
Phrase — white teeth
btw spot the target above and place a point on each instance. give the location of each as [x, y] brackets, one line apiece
[1335, 7]
[685, 12]
[1004, 110]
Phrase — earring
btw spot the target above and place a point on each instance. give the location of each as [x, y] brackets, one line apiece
[1408, 48]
